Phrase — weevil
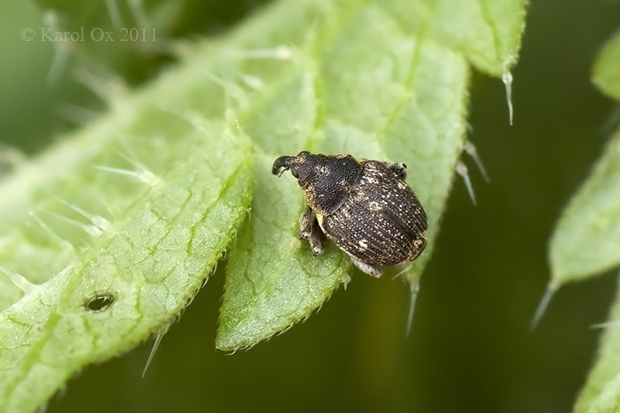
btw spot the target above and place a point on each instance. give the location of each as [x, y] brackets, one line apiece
[365, 207]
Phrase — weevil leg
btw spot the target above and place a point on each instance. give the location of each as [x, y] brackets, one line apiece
[316, 238]
[371, 270]
[305, 223]
[400, 169]
[309, 229]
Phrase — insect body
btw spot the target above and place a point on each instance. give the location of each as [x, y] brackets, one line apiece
[366, 208]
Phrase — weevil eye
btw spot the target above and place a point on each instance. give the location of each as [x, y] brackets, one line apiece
[295, 173]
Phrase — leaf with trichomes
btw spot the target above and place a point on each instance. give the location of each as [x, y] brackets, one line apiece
[108, 235]
[131, 214]
[383, 80]
[587, 242]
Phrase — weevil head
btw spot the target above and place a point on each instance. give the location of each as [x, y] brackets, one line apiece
[303, 166]
[325, 179]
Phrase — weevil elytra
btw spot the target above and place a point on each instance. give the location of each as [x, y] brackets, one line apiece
[365, 207]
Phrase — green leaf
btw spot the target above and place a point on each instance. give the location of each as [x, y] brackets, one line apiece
[132, 213]
[107, 259]
[586, 240]
[601, 392]
[383, 80]
[606, 72]
[592, 222]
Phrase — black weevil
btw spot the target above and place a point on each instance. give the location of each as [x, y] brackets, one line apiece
[365, 207]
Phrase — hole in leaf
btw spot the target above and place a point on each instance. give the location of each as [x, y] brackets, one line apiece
[99, 302]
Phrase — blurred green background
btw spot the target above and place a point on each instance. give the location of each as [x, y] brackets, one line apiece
[470, 349]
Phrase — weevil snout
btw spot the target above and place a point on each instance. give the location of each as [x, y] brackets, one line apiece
[283, 163]
[301, 165]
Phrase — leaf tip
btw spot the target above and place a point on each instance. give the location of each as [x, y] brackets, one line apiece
[552, 287]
